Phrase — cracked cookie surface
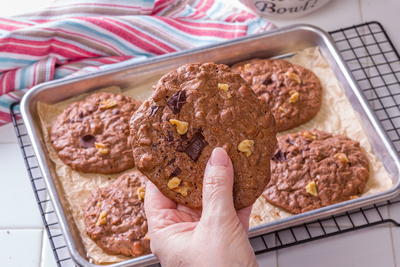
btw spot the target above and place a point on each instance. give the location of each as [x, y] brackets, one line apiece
[314, 169]
[115, 218]
[194, 109]
[293, 92]
[92, 135]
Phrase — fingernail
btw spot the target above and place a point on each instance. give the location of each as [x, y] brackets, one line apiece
[219, 157]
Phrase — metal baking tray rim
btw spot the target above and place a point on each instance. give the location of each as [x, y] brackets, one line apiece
[282, 223]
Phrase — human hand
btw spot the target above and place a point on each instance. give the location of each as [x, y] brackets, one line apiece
[215, 236]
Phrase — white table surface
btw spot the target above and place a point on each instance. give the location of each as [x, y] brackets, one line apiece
[24, 243]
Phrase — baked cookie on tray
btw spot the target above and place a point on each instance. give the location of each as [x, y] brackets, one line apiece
[314, 169]
[115, 219]
[194, 109]
[293, 92]
[92, 135]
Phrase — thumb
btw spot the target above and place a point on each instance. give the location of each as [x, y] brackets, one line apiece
[217, 189]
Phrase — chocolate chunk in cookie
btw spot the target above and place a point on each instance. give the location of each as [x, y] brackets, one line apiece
[314, 169]
[92, 135]
[176, 101]
[293, 93]
[200, 107]
[115, 218]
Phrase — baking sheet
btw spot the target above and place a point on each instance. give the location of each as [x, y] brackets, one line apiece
[336, 116]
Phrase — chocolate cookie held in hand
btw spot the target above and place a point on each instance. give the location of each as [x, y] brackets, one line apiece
[293, 92]
[194, 109]
[92, 135]
[115, 218]
[314, 169]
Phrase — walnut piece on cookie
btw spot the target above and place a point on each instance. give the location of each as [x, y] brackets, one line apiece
[92, 135]
[194, 109]
[314, 169]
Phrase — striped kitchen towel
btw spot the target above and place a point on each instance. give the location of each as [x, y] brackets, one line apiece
[84, 35]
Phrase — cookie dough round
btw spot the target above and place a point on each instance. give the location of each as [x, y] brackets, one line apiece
[92, 135]
[115, 219]
[194, 109]
[314, 169]
[293, 93]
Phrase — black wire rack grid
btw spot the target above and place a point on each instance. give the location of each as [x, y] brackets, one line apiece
[375, 64]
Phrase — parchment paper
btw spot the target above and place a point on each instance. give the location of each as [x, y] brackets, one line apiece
[336, 116]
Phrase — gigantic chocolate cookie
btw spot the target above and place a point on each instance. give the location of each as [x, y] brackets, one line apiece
[313, 169]
[193, 110]
[92, 135]
[293, 93]
[115, 218]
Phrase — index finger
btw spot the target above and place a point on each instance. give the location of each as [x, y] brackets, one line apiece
[154, 200]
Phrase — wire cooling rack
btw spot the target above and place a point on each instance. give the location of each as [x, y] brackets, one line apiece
[375, 64]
